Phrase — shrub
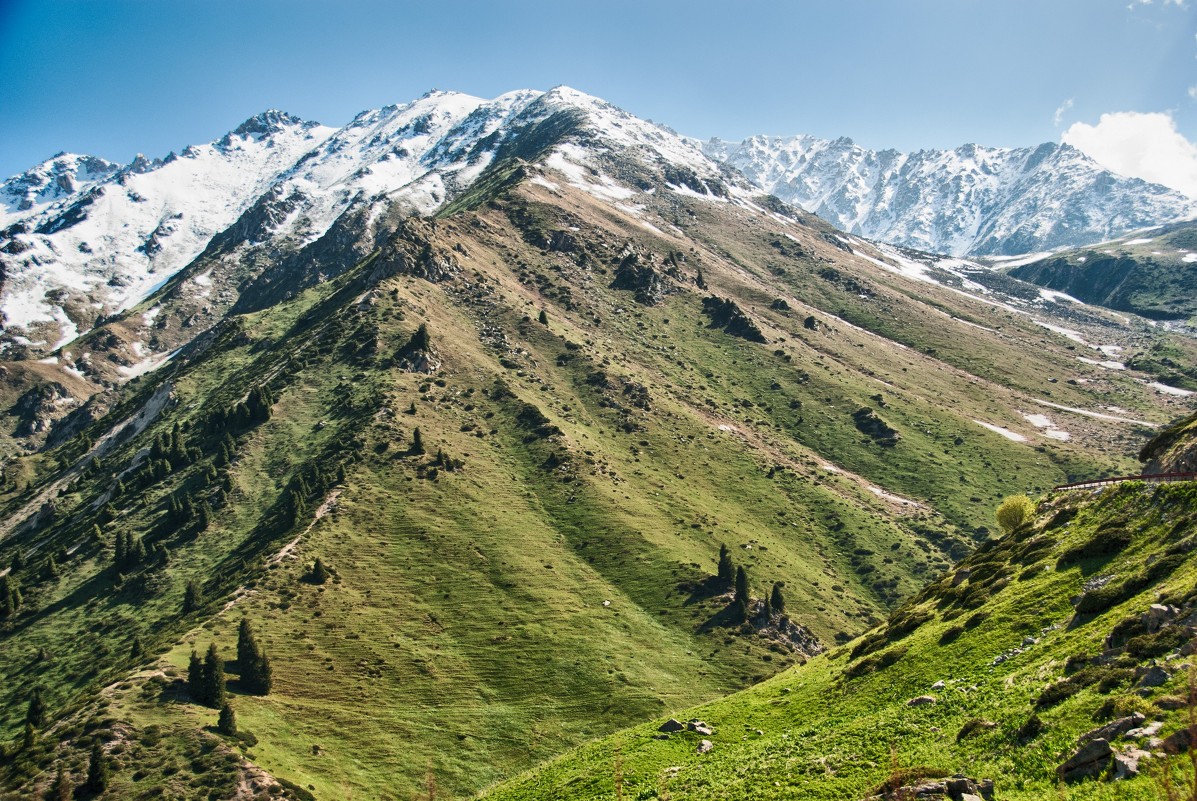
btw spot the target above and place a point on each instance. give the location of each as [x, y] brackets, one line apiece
[1013, 512]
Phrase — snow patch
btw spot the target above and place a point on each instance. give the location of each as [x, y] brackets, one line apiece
[1167, 390]
[1008, 434]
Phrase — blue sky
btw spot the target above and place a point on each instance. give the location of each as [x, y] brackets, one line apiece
[115, 77]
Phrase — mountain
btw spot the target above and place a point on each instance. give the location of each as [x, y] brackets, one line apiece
[970, 201]
[1152, 272]
[1053, 661]
[457, 414]
[83, 238]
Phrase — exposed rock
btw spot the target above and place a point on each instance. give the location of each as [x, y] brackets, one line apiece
[869, 424]
[1112, 729]
[704, 746]
[700, 727]
[1126, 763]
[636, 275]
[1177, 742]
[671, 725]
[939, 685]
[922, 700]
[956, 788]
[1150, 730]
[1153, 676]
[1156, 616]
[960, 576]
[731, 318]
[1090, 760]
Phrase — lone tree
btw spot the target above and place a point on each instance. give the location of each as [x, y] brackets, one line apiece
[35, 714]
[777, 600]
[193, 597]
[320, 572]
[227, 722]
[97, 771]
[543, 319]
[726, 572]
[1014, 511]
[417, 443]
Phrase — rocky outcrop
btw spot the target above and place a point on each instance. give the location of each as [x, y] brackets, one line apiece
[1091, 760]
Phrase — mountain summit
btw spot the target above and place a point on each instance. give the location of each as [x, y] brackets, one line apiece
[970, 201]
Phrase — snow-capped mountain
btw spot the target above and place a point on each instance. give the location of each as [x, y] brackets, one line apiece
[969, 201]
[85, 238]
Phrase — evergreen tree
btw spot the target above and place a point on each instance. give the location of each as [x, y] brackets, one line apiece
[777, 600]
[420, 341]
[136, 649]
[320, 573]
[247, 646]
[726, 573]
[741, 585]
[699, 280]
[768, 611]
[203, 517]
[61, 788]
[213, 679]
[195, 677]
[417, 443]
[412, 408]
[10, 596]
[227, 722]
[35, 714]
[193, 597]
[97, 770]
[260, 676]
[18, 561]
[50, 569]
[30, 737]
[543, 319]
[120, 552]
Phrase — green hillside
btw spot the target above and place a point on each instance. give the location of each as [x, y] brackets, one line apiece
[541, 570]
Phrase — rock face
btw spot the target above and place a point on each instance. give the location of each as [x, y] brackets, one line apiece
[956, 788]
[973, 200]
[1089, 761]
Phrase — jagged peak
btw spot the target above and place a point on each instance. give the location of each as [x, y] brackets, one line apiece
[268, 122]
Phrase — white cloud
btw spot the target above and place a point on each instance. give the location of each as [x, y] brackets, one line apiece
[1058, 117]
[1193, 92]
[1146, 146]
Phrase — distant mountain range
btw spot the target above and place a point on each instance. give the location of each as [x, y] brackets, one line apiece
[970, 201]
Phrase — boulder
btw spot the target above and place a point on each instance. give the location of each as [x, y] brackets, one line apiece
[1156, 616]
[960, 576]
[1112, 729]
[939, 685]
[1177, 742]
[1090, 760]
[1153, 676]
[699, 727]
[1149, 730]
[670, 726]
[1126, 763]
[922, 700]
[704, 746]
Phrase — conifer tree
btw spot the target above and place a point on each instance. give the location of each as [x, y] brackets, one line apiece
[777, 600]
[247, 645]
[213, 679]
[120, 553]
[193, 597]
[50, 569]
[420, 340]
[136, 649]
[320, 573]
[260, 676]
[195, 677]
[10, 596]
[543, 319]
[203, 517]
[227, 722]
[417, 443]
[97, 770]
[30, 737]
[18, 561]
[741, 585]
[35, 714]
[726, 573]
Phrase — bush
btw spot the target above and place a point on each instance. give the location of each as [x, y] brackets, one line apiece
[1013, 512]
[950, 634]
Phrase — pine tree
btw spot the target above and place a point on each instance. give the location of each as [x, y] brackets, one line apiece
[741, 585]
[727, 569]
[213, 679]
[10, 596]
[97, 771]
[320, 572]
[420, 341]
[417, 443]
[193, 597]
[203, 517]
[195, 677]
[136, 649]
[247, 646]
[18, 561]
[543, 319]
[699, 280]
[227, 722]
[120, 553]
[777, 600]
[50, 569]
[30, 738]
[35, 714]
[260, 676]
[768, 611]
[61, 788]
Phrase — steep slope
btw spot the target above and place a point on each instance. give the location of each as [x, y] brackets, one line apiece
[711, 367]
[1151, 273]
[1058, 655]
[969, 201]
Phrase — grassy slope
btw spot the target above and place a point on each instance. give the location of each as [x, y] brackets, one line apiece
[468, 612]
[814, 732]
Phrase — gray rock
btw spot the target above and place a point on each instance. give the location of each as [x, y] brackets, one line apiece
[1156, 616]
[1153, 676]
[1150, 730]
[1089, 761]
[671, 725]
[1177, 742]
[1126, 763]
[1113, 729]
[960, 577]
[704, 746]
[939, 685]
[922, 700]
